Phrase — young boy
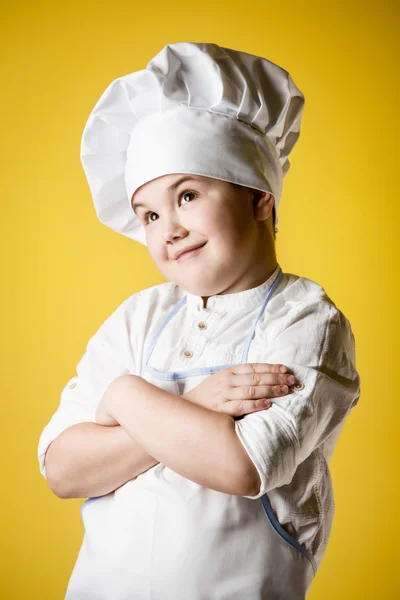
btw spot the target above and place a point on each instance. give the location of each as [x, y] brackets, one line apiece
[207, 478]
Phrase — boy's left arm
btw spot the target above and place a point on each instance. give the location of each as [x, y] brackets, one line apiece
[318, 346]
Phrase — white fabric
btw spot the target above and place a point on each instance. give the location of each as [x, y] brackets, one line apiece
[290, 444]
[196, 108]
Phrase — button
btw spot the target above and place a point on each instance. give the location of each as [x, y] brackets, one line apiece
[188, 353]
[202, 325]
[73, 384]
[298, 386]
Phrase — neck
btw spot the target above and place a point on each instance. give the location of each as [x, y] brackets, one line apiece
[260, 269]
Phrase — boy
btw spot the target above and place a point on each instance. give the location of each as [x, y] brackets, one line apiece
[218, 495]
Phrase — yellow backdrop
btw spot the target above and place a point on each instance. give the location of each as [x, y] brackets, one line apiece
[64, 272]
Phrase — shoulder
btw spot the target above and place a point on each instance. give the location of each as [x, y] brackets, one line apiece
[306, 331]
[296, 289]
[139, 311]
[157, 299]
[299, 298]
[145, 306]
[295, 293]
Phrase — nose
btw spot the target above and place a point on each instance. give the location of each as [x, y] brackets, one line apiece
[173, 229]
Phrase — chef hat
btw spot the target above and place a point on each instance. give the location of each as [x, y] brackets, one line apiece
[196, 108]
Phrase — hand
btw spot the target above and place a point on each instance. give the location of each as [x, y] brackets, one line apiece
[242, 389]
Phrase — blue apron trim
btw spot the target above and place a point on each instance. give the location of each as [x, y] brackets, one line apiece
[253, 331]
[171, 375]
[89, 501]
[284, 534]
[167, 319]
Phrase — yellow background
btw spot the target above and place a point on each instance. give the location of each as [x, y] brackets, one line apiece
[64, 272]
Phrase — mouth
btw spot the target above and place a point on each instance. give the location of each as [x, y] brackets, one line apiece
[194, 251]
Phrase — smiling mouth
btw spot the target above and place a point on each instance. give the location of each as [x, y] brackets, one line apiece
[190, 253]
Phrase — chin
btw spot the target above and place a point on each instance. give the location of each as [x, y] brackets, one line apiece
[200, 288]
[196, 283]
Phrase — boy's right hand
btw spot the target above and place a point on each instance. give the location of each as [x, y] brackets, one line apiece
[242, 389]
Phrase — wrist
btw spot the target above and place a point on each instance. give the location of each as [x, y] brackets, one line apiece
[190, 396]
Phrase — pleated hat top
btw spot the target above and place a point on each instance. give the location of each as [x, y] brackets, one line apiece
[196, 108]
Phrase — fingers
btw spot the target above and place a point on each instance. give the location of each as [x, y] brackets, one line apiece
[255, 392]
[239, 407]
[263, 379]
[249, 386]
[258, 368]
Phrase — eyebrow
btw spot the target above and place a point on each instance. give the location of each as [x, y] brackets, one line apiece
[173, 186]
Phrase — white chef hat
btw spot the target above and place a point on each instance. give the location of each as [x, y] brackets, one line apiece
[196, 108]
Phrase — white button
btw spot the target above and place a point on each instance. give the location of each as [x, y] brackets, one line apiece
[298, 386]
[73, 384]
[202, 325]
[188, 353]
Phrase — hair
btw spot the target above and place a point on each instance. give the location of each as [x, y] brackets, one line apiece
[243, 187]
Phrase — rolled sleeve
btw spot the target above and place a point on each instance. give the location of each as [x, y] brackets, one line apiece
[108, 355]
[318, 347]
[74, 408]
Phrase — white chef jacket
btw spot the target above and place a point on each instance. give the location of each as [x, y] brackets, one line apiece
[291, 443]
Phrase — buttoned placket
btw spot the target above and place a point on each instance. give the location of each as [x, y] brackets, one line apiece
[198, 326]
[201, 329]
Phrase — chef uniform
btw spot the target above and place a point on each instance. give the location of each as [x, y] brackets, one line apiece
[161, 536]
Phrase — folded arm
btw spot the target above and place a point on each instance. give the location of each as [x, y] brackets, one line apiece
[88, 460]
[262, 451]
[78, 457]
[244, 457]
[198, 443]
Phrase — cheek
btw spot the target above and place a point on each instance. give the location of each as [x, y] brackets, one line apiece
[223, 227]
[210, 222]
[153, 247]
[157, 248]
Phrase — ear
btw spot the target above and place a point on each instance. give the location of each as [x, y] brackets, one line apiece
[263, 203]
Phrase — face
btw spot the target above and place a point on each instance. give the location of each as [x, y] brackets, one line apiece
[179, 211]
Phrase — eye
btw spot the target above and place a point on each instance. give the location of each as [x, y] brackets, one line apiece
[147, 216]
[188, 193]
